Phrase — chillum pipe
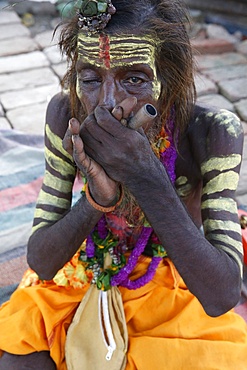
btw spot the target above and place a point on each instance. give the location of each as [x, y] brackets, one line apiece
[144, 115]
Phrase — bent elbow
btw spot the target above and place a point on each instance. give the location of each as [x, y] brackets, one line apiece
[227, 303]
[39, 264]
[42, 271]
[31, 260]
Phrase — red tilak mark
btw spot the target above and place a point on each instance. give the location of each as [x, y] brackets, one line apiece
[104, 50]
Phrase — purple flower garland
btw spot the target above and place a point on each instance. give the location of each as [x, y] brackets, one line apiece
[90, 246]
[102, 231]
[122, 275]
[143, 280]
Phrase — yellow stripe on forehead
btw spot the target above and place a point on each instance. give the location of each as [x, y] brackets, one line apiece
[113, 51]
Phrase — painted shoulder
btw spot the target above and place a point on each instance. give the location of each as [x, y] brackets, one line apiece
[213, 131]
[210, 117]
[58, 114]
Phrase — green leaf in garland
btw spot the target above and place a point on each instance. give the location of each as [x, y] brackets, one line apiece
[123, 260]
[104, 244]
[83, 256]
[146, 223]
[103, 281]
[159, 250]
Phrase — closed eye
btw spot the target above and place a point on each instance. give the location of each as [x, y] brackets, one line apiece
[90, 80]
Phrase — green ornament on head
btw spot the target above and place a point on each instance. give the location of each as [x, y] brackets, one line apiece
[93, 15]
[91, 8]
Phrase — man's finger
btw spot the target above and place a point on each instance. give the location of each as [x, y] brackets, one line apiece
[73, 129]
[127, 106]
[79, 154]
[117, 112]
[106, 122]
[74, 126]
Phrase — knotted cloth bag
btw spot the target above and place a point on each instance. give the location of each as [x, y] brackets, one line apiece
[97, 338]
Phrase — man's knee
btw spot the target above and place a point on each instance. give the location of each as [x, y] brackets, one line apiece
[32, 361]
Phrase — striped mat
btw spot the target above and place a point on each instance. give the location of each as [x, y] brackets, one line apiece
[21, 172]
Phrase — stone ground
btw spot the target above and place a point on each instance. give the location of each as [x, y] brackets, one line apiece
[31, 69]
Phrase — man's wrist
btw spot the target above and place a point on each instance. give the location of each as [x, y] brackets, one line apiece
[102, 208]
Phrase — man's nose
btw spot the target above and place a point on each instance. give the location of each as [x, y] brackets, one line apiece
[110, 94]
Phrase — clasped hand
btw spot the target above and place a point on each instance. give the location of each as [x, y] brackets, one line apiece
[107, 152]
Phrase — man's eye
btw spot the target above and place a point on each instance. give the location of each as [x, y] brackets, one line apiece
[135, 80]
[90, 81]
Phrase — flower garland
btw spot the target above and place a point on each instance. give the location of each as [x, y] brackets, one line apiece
[121, 278]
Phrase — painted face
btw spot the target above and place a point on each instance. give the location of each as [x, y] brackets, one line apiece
[110, 69]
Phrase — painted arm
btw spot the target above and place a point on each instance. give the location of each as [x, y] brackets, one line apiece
[59, 229]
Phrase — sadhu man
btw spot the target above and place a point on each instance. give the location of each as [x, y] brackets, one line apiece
[152, 249]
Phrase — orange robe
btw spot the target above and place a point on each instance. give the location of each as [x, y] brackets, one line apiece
[167, 326]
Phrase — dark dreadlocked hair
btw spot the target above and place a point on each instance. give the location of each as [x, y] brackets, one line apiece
[163, 20]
